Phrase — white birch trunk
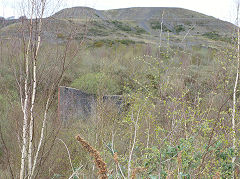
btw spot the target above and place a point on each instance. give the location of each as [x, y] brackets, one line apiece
[134, 141]
[25, 105]
[32, 120]
[234, 97]
[31, 125]
[25, 114]
[41, 138]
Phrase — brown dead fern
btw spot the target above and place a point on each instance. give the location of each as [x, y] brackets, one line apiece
[179, 160]
[170, 175]
[136, 171]
[217, 176]
[101, 165]
[115, 157]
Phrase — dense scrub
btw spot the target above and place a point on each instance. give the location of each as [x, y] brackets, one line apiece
[177, 123]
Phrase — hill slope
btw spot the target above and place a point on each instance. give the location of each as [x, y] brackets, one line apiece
[148, 15]
[139, 24]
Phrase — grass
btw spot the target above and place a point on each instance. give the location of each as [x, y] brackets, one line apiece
[122, 26]
[111, 43]
[169, 83]
[170, 86]
[179, 28]
[156, 25]
[140, 30]
[217, 37]
[97, 32]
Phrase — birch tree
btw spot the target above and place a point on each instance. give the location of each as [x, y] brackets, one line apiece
[28, 86]
[234, 94]
[37, 12]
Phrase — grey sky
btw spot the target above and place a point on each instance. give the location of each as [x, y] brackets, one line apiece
[222, 9]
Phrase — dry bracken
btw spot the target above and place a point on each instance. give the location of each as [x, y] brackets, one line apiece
[136, 171]
[217, 176]
[101, 165]
[115, 157]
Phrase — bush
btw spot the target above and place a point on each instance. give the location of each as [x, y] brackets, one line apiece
[98, 44]
[126, 41]
[140, 30]
[157, 25]
[179, 28]
[60, 36]
[215, 36]
[97, 32]
[110, 43]
[122, 26]
[212, 35]
[103, 42]
[95, 82]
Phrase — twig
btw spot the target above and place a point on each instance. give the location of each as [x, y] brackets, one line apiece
[69, 156]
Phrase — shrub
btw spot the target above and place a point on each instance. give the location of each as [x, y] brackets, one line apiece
[212, 35]
[98, 44]
[110, 43]
[126, 41]
[60, 36]
[95, 82]
[215, 36]
[95, 32]
[157, 25]
[102, 42]
[179, 28]
[122, 26]
[140, 30]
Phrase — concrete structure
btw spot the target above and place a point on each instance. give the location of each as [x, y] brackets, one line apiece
[75, 104]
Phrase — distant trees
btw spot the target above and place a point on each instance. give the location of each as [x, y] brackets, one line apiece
[21, 18]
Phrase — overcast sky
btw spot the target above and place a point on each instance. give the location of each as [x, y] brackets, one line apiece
[222, 9]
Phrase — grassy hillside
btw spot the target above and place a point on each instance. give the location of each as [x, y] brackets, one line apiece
[141, 25]
[149, 17]
[177, 88]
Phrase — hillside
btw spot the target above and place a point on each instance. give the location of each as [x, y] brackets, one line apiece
[130, 25]
[149, 92]
[149, 17]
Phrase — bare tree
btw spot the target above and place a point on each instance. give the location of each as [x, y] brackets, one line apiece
[234, 94]
[28, 84]
[134, 139]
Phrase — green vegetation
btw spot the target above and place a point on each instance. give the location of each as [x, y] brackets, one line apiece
[179, 28]
[97, 24]
[60, 36]
[110, 43]
[175, 95]
[156, 25]
[140, 30]
[177, 109]
[127, 28]
[97, 32]
[212, 35]
[126, 41]
[215, 36]
[121, 26]
[93, 82]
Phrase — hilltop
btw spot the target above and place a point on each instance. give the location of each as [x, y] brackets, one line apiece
[133, 25]
[157, 93]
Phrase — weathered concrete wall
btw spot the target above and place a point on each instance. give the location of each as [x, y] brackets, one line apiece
[76, 104]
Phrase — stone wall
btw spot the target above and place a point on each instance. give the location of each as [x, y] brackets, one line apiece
[76, 104]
